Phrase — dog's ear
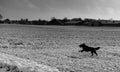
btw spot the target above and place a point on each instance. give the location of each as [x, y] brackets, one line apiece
[83, 44]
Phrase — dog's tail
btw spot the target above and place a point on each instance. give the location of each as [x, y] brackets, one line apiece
[97, 48]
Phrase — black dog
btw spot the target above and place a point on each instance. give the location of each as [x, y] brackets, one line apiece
[87, 49]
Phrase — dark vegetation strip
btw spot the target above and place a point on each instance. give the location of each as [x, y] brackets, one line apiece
[65, 22]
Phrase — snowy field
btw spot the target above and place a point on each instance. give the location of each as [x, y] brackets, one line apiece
[57, 46]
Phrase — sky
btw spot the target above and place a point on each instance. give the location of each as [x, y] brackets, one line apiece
[46, 9]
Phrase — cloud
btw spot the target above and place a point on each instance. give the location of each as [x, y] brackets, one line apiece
[29, 4]
[107, 9]
[63, 8]
[2, 11]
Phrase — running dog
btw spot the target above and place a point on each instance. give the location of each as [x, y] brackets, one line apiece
[88, 49]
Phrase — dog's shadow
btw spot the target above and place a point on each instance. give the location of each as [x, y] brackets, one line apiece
[77, 55]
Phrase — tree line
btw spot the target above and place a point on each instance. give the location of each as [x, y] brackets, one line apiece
[64, 21]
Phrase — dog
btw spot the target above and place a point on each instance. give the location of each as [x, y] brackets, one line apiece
[88, 49]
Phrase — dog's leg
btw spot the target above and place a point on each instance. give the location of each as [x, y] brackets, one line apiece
[96, 53]
[92, 53]
[81, 50]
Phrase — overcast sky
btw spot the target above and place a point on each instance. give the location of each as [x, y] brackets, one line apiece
[45, 9]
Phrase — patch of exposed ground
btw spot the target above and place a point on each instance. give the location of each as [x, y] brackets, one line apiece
[9, 63]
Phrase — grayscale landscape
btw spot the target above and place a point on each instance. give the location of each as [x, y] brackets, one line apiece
[59, 35]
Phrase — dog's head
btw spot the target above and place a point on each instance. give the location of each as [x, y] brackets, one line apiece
[82, 45]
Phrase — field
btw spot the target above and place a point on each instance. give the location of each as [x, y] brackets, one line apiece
[57, 46]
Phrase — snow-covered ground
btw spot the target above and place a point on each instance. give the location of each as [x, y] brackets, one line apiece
[57, 46]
